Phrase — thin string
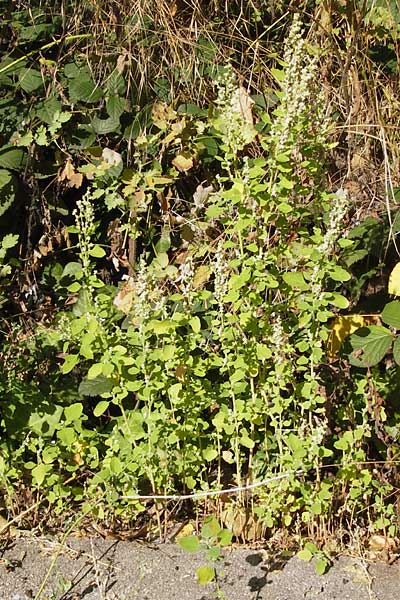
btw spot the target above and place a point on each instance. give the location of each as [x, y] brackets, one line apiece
[233, 490]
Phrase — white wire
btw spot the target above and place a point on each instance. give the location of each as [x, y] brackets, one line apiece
[233, 490]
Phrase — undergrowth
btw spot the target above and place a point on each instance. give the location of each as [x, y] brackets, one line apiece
[184, 222]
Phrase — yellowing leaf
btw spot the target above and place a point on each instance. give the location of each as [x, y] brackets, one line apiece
[341, 328]
[201, 276]
[183, 163]
[186, 530]
[394, 281]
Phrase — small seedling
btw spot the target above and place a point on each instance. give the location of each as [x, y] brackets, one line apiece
[211, 540]
[322, 560]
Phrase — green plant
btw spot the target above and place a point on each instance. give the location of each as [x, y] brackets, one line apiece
[321, 560]
[211, 540]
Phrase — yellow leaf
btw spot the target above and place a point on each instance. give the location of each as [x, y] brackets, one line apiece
[341, 328]
[182, 163]
[394, 281]
[201, 276]
[187, 529]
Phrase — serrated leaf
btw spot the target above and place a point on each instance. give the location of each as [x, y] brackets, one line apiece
[9, 241]
[82, 88]
[100, 408]
[95, 387]
[115, 84]
[391, 314]
[103, 126]
[370, 345]
[115, 106]
[190, 543]
[7, 190]
[205, 574]
[30, 80]
[46, 109]
[12, 158]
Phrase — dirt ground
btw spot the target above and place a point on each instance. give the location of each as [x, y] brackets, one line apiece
[98, 569]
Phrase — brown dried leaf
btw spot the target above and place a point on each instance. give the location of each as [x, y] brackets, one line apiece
[69, 174]
[124, 299]
[246, 105]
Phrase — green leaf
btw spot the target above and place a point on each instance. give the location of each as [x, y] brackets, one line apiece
[370, 345]
[67, 435]
[9, 241]
[195, 324]
[115, 84]
[263, 351]
[115, 106]
[30, 80]
[39, 473]
[321, 565]
[225, 537]
[83, 89]
[161, 327]
[279, 74]
[211, 528]
[396, 350]
[73, 412]
[305, 555]
[295, 280]
[336, 299]
[205, 574]
[190, 543]
[391, 314]
[100, 408]
[95, 387]
[12, 158]
[339, 274]
[46, 109]
[210, 454]
[95, 370]
[69, 363]
[97, 252]
[115, 465]
[7, 191]
[103, 126]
